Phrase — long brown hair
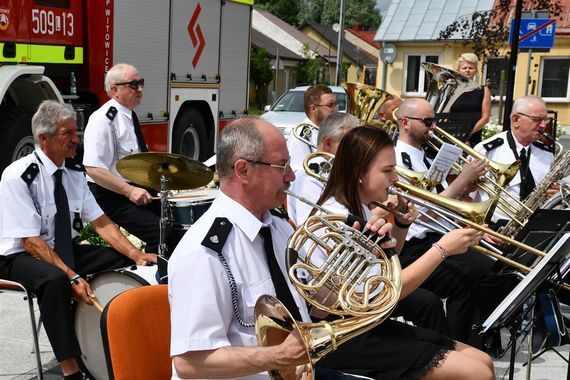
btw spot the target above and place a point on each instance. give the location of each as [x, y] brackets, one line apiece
[355, 153]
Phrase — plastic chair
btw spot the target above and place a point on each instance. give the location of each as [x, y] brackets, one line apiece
[135, 327]
[12, 286]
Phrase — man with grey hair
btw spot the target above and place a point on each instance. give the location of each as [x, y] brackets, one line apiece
[45, 200]
[113, 133]
[528, 121]
[331, 131]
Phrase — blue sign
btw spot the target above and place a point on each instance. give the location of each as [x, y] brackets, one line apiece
[535, 33]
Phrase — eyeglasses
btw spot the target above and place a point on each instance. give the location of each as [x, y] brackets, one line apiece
[284, 167]
[330, 105]
[428, 121]
[134, 84]
[536, 119]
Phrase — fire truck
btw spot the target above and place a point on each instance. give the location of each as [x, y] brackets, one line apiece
[193, 55]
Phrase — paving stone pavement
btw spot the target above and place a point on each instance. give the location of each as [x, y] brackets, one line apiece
[17, 361]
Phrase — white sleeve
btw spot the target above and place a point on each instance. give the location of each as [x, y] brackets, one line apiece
[20, 218]
[298, 150]
[98, 142]
[91, 209]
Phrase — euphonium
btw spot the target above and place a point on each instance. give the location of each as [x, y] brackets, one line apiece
[304, 132]
[361, 281]
[318, 165]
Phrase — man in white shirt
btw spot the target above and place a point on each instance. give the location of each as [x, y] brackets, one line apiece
[45, 200]
[111, 134]
[319, 102]
[528, 120]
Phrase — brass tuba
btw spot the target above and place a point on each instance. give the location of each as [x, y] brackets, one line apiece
[361, 282]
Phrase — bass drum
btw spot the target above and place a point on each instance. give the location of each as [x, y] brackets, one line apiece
[105, 285]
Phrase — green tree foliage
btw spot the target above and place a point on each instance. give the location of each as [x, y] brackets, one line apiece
[310, 10]
[356, 13]
[260, 71]
[286, 10]
[311, 69]
[487, 32]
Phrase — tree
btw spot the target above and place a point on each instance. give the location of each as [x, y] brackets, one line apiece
[286, 10]
[487, 32]
[310, 10]
[356, 13]
[311, 68]
[260, 72]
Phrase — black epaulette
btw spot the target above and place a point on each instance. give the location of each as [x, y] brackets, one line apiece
[218, 234]
[111, 113]
[548, 148]
[494, 144]
[30, 173]
[407, 160]
[279, 213]
[74, 166]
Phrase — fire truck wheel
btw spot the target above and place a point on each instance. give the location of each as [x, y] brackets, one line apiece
[16, 139]
[189, 137]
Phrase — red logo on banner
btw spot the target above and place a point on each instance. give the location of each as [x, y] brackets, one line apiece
[196, 35]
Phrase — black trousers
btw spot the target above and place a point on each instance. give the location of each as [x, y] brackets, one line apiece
[468, 281]
[53, 289]
[425, 309]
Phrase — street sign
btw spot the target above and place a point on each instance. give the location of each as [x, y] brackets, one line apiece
[535, 33]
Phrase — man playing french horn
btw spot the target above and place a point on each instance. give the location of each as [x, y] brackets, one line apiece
[213, 286]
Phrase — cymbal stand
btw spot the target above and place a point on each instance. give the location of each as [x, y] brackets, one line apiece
[162, 247]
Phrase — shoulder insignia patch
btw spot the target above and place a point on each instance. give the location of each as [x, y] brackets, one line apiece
[218, 234]
[30, 173]
[279, 213]
[548, 148]
[111, 113]
[494, 144]
[407, 160]
[74, 166]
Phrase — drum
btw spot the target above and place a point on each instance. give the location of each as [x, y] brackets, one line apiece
[105, 285]
[185, 208]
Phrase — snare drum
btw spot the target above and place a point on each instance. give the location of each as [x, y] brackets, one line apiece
[187, 207]
[105, 285]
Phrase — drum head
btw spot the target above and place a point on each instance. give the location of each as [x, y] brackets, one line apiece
[106, 286]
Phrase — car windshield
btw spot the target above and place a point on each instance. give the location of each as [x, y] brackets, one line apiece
[292, 101]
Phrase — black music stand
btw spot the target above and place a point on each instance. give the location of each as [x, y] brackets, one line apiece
[458, 124]
[507, 314]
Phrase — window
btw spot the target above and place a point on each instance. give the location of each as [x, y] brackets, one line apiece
[54, 3]
[416, 80]
[493, 70]
[554, 79]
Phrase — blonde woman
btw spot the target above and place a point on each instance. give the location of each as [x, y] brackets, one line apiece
[475, 101]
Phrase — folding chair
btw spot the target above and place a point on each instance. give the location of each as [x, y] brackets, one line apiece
[12, 286]
[135, 327]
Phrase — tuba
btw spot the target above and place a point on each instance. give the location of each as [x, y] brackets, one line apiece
[362, 283]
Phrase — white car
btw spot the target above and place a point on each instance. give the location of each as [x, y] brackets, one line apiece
[288, 111]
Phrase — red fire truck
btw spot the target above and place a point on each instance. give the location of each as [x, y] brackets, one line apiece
[193, 55]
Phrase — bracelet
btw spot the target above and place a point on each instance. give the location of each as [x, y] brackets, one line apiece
[400, 224]
[74, 279]
[441, 250]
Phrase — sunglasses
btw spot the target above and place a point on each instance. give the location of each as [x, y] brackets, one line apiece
[134, 84]
[428, 121]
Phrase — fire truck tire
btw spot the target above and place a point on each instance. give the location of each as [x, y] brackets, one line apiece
[189, 137]
[16, 138]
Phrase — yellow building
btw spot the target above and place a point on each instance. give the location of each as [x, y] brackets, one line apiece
[413, 28]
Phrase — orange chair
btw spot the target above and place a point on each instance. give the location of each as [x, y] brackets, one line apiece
[135, 327]
[12, 286]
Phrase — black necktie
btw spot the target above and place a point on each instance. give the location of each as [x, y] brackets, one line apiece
[63, 246]
[281, 289]
[138, 133]
[527, 180]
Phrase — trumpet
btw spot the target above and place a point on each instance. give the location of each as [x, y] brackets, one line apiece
[365, 280]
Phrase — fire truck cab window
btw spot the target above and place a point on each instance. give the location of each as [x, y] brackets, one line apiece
[53, 3]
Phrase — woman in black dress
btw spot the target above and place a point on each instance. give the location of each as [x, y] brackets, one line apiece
[475, 101]
[364, 168]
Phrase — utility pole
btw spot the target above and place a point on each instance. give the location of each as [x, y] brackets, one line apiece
[512, 67]
[339, 44]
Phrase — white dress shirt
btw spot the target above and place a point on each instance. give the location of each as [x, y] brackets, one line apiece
[298, 150]
[202, 317]
[28, 211]
[539, 164]
[106, 141]
[307, 187]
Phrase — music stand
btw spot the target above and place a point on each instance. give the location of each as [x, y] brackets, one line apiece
[458, 124]
[506, 314]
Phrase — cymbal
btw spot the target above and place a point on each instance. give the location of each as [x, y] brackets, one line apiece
[146, 169]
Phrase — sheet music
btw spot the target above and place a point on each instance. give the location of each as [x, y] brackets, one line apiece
[443, 162]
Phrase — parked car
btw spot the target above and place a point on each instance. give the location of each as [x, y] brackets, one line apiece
[287, 112]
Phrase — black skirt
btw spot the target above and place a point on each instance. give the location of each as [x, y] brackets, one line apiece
[392, 350]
